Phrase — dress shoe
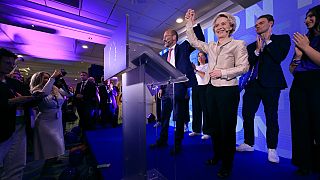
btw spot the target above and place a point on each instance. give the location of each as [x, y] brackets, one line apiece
[223, 173]
[212, 162]
[158, 145]
[175, 150]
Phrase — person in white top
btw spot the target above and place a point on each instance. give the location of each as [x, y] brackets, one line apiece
[199, 98]
[48, 130]
[227, 59]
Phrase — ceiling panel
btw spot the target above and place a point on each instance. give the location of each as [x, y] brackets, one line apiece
[92, 16]
[62, 7]
[99, 7]
[160, 14]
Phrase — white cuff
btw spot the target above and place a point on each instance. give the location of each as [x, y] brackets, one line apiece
[257, 53]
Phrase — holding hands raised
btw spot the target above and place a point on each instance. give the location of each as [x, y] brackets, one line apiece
[190, 16]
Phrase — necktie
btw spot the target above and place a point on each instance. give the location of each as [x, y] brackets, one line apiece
[82, 87]
[169, 54]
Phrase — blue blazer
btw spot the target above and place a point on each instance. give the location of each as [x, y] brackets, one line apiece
[270, 73]
[183, 63]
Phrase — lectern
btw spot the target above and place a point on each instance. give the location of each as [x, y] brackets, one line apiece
[147, 68]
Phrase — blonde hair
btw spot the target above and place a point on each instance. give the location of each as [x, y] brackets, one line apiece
[37, 83]
[231, 20]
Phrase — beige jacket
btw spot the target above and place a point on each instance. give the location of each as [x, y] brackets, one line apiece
[231, 58]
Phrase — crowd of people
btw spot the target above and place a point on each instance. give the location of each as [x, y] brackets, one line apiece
[215, 96]
[35, 113]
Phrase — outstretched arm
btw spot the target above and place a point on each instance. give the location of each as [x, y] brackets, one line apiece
[195, 37]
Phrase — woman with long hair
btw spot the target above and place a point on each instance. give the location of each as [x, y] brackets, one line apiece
[305, 95]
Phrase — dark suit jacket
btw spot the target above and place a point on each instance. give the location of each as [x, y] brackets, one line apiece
[270, 73]
[7, 91]
[106, 96]
[89, 95]
[183, 64]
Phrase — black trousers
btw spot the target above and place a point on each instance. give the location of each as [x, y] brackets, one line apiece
[305, 119]
[85, 117]
[199, 109]
[252, 97]
[108, 114]
[180, 107]
[222, 105]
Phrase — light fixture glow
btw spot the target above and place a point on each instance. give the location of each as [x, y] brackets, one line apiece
[84, 46]
[179, 20]
[20, 56]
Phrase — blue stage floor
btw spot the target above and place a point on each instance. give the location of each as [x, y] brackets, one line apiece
[106, 146]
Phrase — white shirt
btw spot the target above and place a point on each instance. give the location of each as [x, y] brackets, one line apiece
[204, 80]
[172, 56]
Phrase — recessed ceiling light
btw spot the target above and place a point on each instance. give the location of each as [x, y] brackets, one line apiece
[32, 25]
[90, 37]
[179, 20]
[84, 46]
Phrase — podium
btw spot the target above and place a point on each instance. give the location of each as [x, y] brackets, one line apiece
[147, 68]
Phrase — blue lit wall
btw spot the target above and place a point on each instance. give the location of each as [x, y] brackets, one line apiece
[289, 18]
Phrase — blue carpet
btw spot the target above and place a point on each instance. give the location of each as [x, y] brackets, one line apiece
[106, 146]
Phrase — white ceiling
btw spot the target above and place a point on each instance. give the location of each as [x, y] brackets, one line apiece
[63, 26]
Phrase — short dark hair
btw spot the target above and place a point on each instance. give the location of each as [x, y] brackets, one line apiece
[6, 53]
[84, 72]
[269, 17]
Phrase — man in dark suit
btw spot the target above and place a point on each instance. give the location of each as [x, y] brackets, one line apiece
[108, 103]
[266, 82]
[86, 101]
[178, 56]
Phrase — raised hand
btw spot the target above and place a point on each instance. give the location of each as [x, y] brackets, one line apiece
[56, 73]
[190, 16]
[259, 43]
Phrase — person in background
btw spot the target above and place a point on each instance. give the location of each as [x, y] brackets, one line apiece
[199, 106]
[227, 59]
[305, 96]
[108, 103]
[86, 101]
[265, 57]
[12, 126]
[48, 130]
